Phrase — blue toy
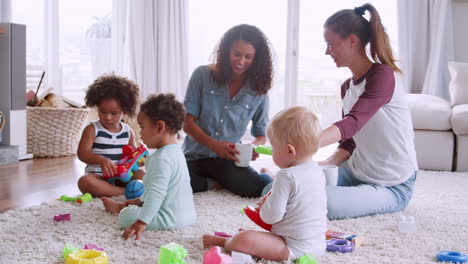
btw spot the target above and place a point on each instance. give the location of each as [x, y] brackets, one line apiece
[134, 189]
[452, 256]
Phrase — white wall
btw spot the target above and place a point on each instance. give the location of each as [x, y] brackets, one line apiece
[460, 30]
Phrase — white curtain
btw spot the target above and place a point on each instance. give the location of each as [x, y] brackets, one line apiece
[150, 40]
[426, 45]
[5, 10]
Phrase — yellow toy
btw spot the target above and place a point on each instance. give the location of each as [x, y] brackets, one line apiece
[87, 256]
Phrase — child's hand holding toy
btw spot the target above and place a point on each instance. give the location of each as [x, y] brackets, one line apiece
[108, 167]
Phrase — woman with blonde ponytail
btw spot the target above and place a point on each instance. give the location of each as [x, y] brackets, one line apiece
[376, 155]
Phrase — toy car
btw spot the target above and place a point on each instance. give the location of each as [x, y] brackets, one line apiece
[129, 162]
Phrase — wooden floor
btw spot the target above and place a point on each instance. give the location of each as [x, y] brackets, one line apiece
[34, 181]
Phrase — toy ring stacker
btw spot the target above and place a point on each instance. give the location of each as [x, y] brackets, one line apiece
[340, 245]
[452, 256]
[87, 256]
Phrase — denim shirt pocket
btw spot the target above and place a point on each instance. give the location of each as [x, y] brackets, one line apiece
[212, 100]
[244, 108]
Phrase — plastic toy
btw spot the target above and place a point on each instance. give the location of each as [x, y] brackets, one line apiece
[222, 234]
[79, 199]
[62, 217]
[92, 246]
[267, 150]
[67, 249]
[129, 162]
[134, 189]
[240, 258]
[340, 245]
[254, 215]
[452, 256]
[172, 253]
[306, 259]
[214, 256]
[407, 224]
[87, 256]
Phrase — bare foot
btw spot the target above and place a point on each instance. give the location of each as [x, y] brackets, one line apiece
[216, 185]
[112, 206]
[267, 171]
[209, 240]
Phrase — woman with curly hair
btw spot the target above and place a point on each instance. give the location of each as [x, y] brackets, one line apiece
[101, 143]
[221, 100]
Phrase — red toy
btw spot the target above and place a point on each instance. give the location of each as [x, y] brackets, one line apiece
[62, 217]
[254, 215]
[130, 161]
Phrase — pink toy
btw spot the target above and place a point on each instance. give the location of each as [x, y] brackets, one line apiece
[130, 161]
[222, 234]
[214, 256]
[254, 215]
[92, 246]
[62, 217]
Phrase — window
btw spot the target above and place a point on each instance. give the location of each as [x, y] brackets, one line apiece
[319, 80]
[207, 27]
[69, 40]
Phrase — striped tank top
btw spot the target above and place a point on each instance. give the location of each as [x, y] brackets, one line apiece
[108, 144]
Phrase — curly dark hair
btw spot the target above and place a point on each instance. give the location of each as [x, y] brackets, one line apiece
[165, 107]
[112, 86]
[260, 72]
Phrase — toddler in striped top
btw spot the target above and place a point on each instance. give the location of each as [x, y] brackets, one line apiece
[102, 140]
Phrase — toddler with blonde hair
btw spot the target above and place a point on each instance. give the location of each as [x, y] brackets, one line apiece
[296, 207]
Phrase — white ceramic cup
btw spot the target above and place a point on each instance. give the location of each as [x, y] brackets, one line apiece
[331, 174]
[245, 154]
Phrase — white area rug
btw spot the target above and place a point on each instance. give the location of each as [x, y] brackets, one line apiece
[440, 207]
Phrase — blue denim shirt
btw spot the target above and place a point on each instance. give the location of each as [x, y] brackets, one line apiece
[219, 116]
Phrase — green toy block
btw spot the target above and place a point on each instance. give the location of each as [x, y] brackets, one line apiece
[67, 249]
[306, 259]
[267, 150]
[79, 199]
[172, 253]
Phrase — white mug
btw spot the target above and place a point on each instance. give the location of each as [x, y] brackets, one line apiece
[245, 154]
[331, 174]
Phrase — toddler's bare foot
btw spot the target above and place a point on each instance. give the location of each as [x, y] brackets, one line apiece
[209, 240]
[267, 171]
[111, 206]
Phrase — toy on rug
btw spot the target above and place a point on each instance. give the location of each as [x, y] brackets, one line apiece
[240, 258]
[134, 189]
[79, 199]
[406, 224]
[306, 259]
[355, 239]
[172, 253]
[92, 246]
[214, 256]
[222, 234]
[452, 256]
[129, 162]
[340, 245]
[87, 256]
[62, 217]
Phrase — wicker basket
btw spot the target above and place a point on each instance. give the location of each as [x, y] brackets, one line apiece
[53, 132]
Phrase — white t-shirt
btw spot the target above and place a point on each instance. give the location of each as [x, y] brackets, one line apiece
[297, 208]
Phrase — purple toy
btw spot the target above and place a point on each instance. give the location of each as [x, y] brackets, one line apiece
[62, 217]
[92, 246]
[339, 245]
[222, 234]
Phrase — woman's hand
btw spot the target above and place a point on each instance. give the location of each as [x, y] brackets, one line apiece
[225, 150]
[136, 229]
[255, 155]
[108, 167]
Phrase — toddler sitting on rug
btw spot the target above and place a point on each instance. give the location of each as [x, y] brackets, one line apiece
[297, 204]
[167, 201]
[101, 143]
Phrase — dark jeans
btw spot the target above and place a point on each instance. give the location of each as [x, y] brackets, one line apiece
[243, 181]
